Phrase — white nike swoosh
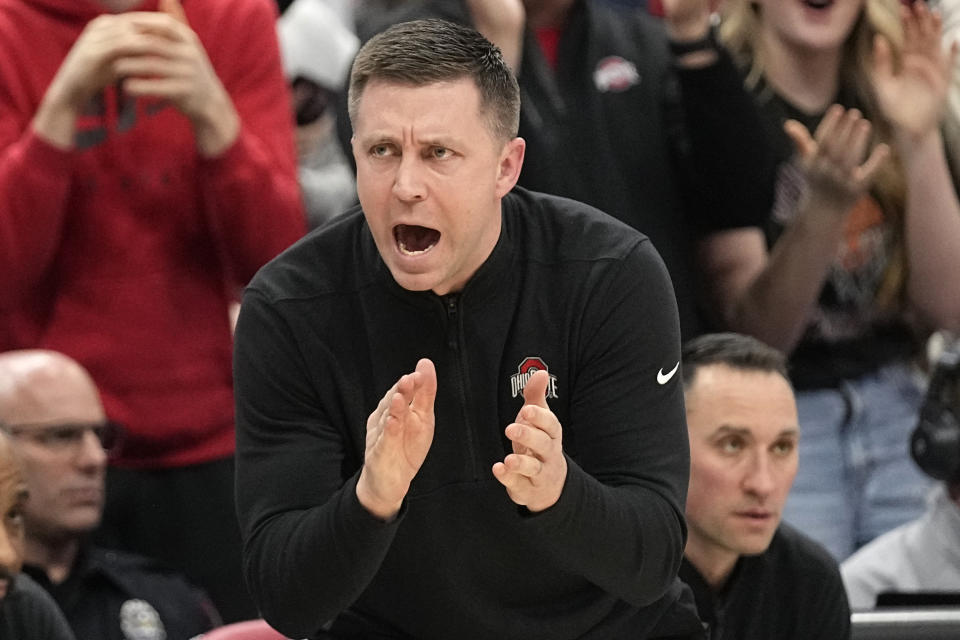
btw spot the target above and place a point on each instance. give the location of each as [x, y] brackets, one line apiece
[664, 378]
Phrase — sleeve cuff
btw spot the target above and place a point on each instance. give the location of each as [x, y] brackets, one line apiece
[49, 162]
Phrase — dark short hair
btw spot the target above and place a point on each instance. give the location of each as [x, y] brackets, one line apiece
[734, 350]
[426, 51]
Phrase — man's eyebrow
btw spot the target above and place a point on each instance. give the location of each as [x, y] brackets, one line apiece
[726, 429]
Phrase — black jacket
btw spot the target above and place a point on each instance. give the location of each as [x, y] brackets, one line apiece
[792, 591]
[28, 611]
[109, 590]
[324, 331]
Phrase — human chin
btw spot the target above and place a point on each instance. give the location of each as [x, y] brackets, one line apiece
[416, 281]
[754, 537]
[80, 520]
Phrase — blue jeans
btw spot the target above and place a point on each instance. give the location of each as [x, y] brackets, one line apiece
[856, 479]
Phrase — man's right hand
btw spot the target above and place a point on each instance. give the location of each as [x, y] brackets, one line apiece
[87, 69]
[399, 434]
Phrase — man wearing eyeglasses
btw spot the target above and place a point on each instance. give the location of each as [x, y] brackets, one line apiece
[52, 411]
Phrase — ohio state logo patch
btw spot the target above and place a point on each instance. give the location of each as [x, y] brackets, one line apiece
[615, 74]
[528, 367]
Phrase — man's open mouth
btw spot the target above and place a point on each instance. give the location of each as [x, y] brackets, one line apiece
[414, 240]
[818, 4]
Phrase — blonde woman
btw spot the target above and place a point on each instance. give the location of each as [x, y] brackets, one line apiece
[862, 252]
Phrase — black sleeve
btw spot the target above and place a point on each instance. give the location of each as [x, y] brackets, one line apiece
[728, 166]
[30, 612]
[629, 422]
[310, 548]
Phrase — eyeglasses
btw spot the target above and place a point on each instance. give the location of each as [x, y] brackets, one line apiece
[68, 437]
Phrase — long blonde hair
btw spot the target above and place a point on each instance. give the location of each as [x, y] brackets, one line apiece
[740, 33]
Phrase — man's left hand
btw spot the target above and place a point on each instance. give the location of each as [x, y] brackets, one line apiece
[176, 68]
[534, 474]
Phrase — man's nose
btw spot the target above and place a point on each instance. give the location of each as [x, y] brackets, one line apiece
[91, 454]
[759, 479]
[408, 184]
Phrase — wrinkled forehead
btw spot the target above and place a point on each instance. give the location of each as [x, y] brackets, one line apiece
[437, 109]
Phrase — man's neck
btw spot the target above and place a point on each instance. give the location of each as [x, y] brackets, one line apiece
[714, 566]
[54, 558]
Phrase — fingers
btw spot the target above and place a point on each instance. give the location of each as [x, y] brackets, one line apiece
[167, 25]
[377, 419]
[852, 140]
[882, 57]
[526, 466]
[174, 9]
[414, 392]
[840, 145]
[804, 144]
[921, 26]
[866, 172]
[537, 419]
[529, 440]
[831, 122]
[535, 391]
[425, 386]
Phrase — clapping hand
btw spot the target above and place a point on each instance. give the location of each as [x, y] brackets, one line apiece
[835, 159]
[534, 474]
[912, 95]
[399, 434]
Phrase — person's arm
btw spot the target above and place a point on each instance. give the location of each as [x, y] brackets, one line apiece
[502, 22]
[34, 184]
[770, 295]
[310, 546]
[913, 98]
[725, 161]
[230, 84]
[630, 475]
[950, 13]
[36, 152]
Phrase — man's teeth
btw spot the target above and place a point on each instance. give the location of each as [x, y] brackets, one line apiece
[410, 252]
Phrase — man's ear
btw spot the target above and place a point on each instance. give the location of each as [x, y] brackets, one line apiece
[511, 161]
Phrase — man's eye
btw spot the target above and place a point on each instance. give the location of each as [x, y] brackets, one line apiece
[380, 150]
[65, 435]
[731, 445]
[784, 448]
[440, 152]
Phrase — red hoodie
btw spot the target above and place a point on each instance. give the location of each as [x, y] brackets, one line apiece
[124, 253]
